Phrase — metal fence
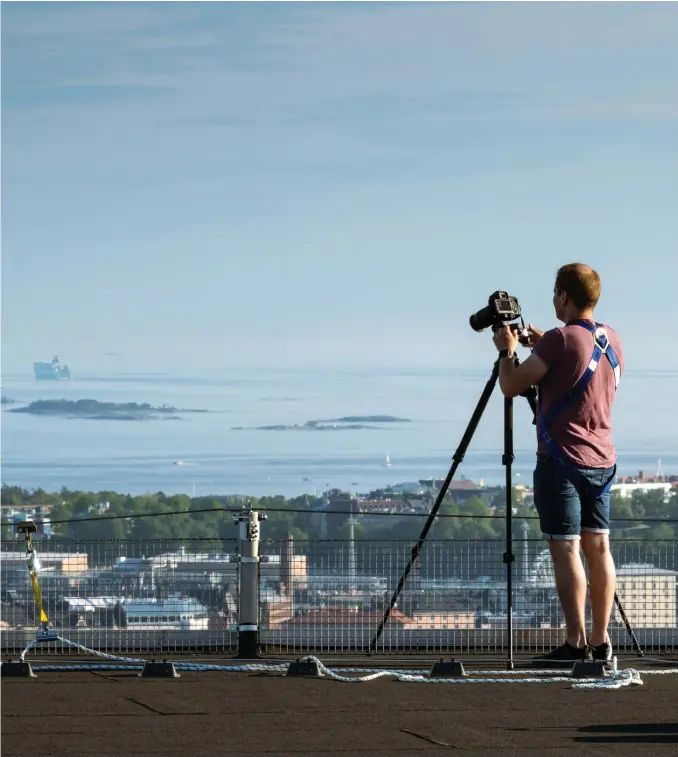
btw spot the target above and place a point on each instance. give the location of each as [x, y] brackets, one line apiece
[323, 596]
[131, 596]
[455, 600]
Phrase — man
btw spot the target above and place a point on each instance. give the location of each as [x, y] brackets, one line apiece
[577, 370]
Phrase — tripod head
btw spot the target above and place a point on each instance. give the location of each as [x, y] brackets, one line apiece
[530, 394]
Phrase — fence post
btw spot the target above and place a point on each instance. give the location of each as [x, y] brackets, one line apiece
[248, 590]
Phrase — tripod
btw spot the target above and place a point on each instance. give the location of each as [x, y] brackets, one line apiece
[507, 461]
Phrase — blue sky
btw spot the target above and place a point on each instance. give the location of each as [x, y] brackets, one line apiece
[201, 185]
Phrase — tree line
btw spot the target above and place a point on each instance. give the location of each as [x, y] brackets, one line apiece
[87, 517]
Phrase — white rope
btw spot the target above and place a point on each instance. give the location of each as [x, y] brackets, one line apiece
[411, 671]
[617, 678]
[628, 677]
[252, 667]
[74, 644]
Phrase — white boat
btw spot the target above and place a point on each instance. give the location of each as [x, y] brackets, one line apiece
[53, 371]
[387, 464]
[175, 614]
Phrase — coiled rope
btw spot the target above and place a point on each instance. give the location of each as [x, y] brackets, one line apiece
[616, 679]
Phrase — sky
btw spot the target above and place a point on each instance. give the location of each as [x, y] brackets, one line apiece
[201, 186]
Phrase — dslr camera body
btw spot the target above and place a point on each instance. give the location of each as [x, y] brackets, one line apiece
[501, 309]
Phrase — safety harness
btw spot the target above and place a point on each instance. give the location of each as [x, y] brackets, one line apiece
[33, 564]
[601, 346]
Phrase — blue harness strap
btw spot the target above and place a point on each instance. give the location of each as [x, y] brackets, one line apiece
[601, 346]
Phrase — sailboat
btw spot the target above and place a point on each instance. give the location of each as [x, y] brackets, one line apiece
[387, 463]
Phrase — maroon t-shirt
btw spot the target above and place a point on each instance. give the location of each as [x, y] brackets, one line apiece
[584, 428]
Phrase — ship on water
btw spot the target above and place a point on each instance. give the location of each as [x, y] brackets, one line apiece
[51, 371]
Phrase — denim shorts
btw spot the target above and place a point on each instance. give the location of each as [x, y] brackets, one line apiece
[568, 507]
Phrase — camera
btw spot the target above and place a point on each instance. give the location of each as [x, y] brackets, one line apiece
[500, 310]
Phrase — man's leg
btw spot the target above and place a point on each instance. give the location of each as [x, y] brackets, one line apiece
[596, 547]
[595, 527]
[557, 503]
[571, 586]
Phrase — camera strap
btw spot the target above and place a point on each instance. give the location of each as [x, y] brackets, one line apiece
[601, 346]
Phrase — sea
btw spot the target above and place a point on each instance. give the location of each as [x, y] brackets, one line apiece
[204, 453]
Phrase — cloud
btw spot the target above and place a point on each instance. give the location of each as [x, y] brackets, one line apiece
[308, 53]
[142, 89]
[90, 21]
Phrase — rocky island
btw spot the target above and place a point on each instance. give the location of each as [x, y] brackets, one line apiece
[348, 422]
[364, 419]
[95, 410]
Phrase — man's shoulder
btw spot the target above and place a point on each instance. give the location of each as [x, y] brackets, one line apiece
[580, 332]
[615, 340]
[577, 326]
[554, 336]
[550, 345]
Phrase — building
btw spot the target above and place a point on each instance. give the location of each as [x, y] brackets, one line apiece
[523, 495]
[182, 568]
[40, 514]
[61, 562]
[461, 490]
[627, 489]
[432, 620]
[642, 477]
[392, 506]
[647, 594]
[332, 617]
[275, 612]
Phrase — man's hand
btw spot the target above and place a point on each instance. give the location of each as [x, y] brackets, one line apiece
[505, 339]
[534, 335]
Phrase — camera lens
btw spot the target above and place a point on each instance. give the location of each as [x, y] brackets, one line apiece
[482, 319]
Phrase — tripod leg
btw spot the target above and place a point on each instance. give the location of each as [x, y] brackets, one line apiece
[507, 460]
[457, 458]
[636, 645]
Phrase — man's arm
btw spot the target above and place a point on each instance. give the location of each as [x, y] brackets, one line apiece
[515, 379]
